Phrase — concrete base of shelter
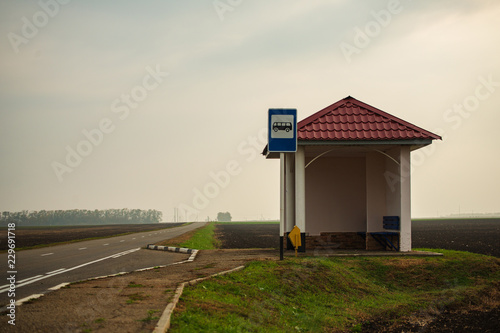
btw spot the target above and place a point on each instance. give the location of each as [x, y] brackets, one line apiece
[335, 240]
[341, 241]
[362, 253]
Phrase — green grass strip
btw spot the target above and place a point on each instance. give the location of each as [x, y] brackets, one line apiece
[203, 239]
[316, 294]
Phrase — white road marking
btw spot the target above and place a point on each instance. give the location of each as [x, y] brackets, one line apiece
[47, 254]
[123, 240]
[123, 253]
[133, 238]
[82, 248]
[105, 244]
[59, 286]
[33, 277]
[63, 270]
[56, 271]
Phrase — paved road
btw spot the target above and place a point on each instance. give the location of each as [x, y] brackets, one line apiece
[38, 270]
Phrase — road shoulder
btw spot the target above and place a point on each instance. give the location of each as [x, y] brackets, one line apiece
[135, 300]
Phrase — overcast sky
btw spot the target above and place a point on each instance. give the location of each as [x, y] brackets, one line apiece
[163, 104]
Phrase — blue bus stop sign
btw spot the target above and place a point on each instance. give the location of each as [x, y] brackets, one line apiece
[282, 130]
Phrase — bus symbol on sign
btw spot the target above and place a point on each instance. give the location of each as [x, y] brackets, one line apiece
[287, 127]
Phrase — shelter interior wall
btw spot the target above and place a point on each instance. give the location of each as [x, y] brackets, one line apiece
[336, 195]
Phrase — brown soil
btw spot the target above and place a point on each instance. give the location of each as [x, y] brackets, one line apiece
[248, 236]
[33, 236]
[465, 321]
[128, 303]
[482, 314]
[478, 236]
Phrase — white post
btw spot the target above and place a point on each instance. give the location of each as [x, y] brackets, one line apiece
[282, 194]
[290, 192]
[300, 189]
[405, 183]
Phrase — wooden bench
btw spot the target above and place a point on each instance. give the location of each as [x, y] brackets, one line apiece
[384, 237]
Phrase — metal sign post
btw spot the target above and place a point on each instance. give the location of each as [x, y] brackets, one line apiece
[282, 138]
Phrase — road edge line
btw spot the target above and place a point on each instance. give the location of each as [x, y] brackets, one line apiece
[29, 298]
[59, 286]
[163, 324]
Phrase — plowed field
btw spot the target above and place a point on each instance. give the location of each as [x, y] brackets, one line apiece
[478, 236]
[32, 236]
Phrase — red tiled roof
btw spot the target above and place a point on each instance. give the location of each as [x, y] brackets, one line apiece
[350, 119]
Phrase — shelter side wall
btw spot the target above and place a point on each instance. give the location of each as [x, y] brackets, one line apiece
[336, 195]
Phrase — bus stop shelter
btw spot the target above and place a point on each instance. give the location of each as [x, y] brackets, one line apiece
[351, 170]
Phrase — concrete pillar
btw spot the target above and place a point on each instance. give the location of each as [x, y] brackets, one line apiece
[405, 197]
[398, 192]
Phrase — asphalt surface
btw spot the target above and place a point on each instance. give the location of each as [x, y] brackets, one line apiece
[38, 270]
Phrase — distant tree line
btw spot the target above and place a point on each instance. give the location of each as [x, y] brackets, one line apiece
[81, 217]
[224, 217]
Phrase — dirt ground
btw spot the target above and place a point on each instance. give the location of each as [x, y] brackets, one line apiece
[247, 236]
[461, 321]
[31, 236]
[478, 236]
[472, 321]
